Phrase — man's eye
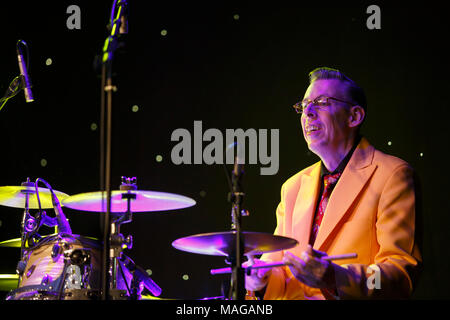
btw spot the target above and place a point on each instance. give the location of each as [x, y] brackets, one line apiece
[321, 102]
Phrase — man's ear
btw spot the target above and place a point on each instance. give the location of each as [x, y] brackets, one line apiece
[356, 116]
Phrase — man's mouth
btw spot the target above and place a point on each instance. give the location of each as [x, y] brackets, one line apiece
[311, 128]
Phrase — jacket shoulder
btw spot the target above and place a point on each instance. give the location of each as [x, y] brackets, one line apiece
[389, 162]
[296, 178]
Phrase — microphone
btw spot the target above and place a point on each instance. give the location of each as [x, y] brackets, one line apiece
[63, 224]
[24, 73]
[238, 171]
[48, 221]
[124, 17]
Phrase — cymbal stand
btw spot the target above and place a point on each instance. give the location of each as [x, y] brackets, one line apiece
[28, 225]
[117, 241]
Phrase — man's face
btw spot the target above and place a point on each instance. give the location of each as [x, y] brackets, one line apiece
[325, 128]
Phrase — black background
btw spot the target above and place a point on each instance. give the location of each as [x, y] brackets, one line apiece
[227, 73]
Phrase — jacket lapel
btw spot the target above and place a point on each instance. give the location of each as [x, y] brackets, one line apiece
[304, 206]
[353, 179]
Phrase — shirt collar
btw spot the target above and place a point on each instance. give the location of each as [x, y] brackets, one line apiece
[340, 168]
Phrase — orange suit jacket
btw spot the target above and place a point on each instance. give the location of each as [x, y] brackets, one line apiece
[371, 212]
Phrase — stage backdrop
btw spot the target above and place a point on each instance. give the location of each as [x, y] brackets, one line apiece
[216, 65]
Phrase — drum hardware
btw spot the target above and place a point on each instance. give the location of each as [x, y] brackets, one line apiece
[30, 271]
[28, 224]
[78, 257]
[40, 277]
[124, 202]
[79, 268]
[72, 273]
[26, 196]
[33, 224]
[117, 241]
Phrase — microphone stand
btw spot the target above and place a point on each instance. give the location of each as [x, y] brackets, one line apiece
[237, 271]
[110, 45]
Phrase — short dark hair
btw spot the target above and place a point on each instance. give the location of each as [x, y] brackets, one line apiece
[355, 92]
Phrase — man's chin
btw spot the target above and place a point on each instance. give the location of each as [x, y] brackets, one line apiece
[315, 147]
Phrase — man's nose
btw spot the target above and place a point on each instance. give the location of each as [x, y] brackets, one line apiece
[310, 111]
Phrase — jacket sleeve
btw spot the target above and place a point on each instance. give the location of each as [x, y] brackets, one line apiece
[397, 261]
[276, 282]
[279, 230]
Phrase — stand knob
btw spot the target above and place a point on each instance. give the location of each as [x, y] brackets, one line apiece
[128, 242]
[118, 241]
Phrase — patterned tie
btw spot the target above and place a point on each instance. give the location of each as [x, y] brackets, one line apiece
[329, 181]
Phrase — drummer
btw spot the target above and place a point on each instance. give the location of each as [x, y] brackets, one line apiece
[355, 199]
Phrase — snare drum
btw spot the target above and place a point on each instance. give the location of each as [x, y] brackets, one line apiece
[61, 267]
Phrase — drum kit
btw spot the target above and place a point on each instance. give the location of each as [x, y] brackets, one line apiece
[67, 266]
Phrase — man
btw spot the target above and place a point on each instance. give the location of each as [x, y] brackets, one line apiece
[356, 199]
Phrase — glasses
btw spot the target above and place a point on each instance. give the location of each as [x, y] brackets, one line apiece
[320, 101]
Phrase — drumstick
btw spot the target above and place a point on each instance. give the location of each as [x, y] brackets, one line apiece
[282, 264]
[328, 258]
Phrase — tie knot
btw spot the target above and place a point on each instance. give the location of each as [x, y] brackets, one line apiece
[330, 179]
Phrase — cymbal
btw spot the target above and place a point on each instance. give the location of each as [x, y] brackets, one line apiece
[17, 242]
[14, 196]
[145, 201]
[12, 243]
[8, 282]
[222, 243]
[150, 297]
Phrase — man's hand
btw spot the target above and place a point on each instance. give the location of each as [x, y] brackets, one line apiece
[310, 269]
[258, 278]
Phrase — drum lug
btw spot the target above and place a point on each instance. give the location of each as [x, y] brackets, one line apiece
[46, 280]
[55, 251]
[21, 266]
[30, 270]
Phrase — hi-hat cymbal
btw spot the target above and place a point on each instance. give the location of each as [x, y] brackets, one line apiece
[144, 201]
[14, 196]
[222, 243]
[8, 282]
[17, 242]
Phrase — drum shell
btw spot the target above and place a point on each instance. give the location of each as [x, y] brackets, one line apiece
[44, 277]
[43, 263]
